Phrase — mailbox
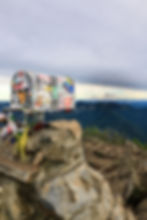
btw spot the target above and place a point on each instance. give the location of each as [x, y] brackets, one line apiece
[42, 92]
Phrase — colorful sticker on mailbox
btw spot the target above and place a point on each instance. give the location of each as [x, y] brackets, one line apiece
[69, 85]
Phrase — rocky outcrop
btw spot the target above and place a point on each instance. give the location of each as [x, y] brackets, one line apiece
[56, 182]
[124, 167]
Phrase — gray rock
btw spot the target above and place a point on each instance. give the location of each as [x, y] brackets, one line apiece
[62, 185]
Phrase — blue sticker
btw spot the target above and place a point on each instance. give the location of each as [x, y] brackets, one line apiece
[69, 87]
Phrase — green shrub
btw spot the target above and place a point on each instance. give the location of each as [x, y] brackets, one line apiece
[140, 144]
[108, 135]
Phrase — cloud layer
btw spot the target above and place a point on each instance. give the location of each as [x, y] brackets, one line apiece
[97, 41]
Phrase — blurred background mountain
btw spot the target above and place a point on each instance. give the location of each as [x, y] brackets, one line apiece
[126, 118]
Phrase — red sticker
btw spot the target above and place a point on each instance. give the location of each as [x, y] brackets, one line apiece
[68, 103]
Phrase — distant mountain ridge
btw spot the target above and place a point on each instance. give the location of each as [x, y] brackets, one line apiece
[127, 118]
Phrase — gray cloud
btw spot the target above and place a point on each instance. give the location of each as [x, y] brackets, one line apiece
[98, 41]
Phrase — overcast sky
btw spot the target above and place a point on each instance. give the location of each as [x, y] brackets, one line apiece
[103, 41]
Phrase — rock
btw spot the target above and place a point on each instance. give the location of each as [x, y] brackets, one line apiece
[63, 186]
[60, 146]
[124, 167]
[73, 127]
[141, 210]
[20, 202]
[86, 196]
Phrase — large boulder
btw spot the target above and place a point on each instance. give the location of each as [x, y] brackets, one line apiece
[63, 186]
